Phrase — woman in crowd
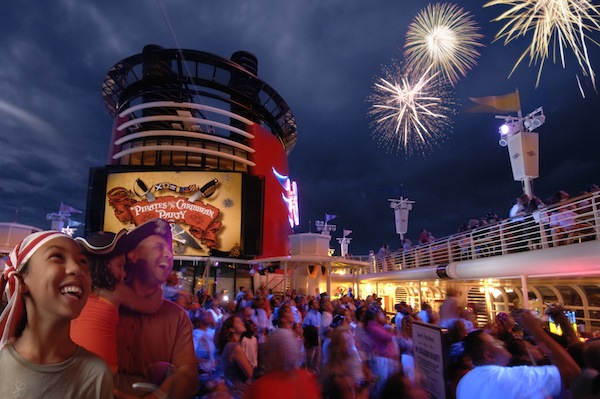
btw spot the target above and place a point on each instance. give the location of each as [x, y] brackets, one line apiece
[386, 355]
[237, 370]
[405, 342]
[250, 343]
[344, 374]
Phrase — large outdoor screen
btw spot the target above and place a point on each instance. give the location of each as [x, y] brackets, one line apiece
[204, 208]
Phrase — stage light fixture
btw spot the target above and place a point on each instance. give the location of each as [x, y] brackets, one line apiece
[510, 127]
[534, 122]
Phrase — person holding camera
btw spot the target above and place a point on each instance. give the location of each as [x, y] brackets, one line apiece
[491, 378]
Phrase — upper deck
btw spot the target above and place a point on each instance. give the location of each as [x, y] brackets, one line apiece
[558, 240]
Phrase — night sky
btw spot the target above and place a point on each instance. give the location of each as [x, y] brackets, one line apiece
[322, 57]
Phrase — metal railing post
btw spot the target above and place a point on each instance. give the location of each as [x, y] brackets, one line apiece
[596, 210]
[503, 248]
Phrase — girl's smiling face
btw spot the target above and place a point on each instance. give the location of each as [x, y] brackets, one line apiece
[56, 280]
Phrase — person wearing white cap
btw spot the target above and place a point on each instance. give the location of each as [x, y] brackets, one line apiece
[47, 283]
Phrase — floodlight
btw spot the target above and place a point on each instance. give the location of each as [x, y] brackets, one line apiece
[510, 127]
[534, 122]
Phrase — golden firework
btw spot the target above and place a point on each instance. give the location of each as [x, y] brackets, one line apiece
[554, 25]
[444, 36]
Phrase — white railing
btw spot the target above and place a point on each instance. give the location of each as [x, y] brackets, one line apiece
[566, 223]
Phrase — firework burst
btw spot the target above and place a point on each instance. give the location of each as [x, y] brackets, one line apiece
[443, 36]
[556, 24]
[411, 112]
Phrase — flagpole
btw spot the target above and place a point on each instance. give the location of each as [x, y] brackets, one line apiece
[519, 112]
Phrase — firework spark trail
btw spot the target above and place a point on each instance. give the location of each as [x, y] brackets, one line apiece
[410, 111]
[445, 36]
[556, 23]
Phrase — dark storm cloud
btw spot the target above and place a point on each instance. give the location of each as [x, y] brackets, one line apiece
[322, 57]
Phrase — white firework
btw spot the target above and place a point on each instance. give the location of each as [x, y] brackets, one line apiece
[411, 112]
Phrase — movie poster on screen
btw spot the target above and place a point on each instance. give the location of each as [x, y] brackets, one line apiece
[429, 358]
[203, 208]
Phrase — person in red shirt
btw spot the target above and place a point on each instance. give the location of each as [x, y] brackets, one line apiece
[96, 327]
[285, 379]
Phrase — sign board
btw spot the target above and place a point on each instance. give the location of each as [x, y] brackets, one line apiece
[201, 221]
[429, 352]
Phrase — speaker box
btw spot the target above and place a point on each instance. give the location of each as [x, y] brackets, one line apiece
[523, 149]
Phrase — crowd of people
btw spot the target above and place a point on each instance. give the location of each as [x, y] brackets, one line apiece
[263, 344]
[345, 347]
[72, 326]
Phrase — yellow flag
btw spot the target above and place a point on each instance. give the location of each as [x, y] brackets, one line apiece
[505, 103]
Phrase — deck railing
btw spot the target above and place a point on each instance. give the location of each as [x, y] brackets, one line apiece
[566, 223]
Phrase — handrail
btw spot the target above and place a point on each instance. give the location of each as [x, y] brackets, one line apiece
[566, 223]
[185, 105]
[189, 119]
[207, 75]
[182, 133]
[182, 148]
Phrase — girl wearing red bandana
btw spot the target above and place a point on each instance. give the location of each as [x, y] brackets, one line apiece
[47, 283]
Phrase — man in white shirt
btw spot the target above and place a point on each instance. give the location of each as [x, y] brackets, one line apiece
[425, 312]
[492, 379]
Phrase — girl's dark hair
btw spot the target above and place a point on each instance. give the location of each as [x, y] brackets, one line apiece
[249, 333]
[225, 334]
[102, 276]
